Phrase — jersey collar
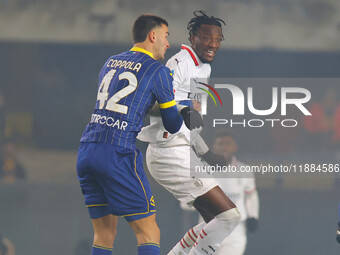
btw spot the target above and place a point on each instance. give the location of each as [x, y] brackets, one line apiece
[192, 53]
[142, 50]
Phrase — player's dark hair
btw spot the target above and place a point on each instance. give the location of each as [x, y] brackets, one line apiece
[202, 18]
[223, 133]
[144, 24]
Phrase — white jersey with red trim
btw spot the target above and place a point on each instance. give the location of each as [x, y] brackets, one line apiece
[237, 188]
[184, 65]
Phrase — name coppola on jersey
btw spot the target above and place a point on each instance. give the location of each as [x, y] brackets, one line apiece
[108, 121]
[114, 63]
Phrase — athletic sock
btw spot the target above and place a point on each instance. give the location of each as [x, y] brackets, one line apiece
[148, 249]
[185, 244]
[212, 235]
[100, 250]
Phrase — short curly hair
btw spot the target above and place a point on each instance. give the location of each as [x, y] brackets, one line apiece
[202, 18]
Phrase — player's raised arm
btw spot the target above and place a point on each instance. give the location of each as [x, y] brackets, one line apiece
[169, 111]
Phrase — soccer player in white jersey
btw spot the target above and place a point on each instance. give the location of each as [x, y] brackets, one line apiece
[241, 190]
[169, 156]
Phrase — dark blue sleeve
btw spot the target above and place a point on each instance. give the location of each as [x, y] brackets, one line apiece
[172, 120]
[163, 90]
[162, 87]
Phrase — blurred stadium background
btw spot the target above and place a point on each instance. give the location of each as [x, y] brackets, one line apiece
[50, 55]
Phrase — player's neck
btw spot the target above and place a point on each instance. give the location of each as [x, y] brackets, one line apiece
[144, 46]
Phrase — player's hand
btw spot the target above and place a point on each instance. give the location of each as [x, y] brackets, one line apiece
[192, 118]
[338, 233]
[252, 224]
[214, 159]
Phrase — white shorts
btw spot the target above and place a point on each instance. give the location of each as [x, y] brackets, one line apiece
[170, 167]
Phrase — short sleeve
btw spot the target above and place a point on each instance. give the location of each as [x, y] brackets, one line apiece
[163, 88]
[178, 70]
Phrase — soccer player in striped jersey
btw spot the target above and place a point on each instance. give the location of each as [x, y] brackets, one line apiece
[110, 167]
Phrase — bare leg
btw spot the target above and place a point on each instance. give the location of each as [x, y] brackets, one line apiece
[146, 230]
[105, 229]
[212, 203]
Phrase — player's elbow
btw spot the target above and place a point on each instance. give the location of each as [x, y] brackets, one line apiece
[172, 121]
[172, 128]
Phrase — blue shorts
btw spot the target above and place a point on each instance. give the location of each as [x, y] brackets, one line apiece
[113, 181]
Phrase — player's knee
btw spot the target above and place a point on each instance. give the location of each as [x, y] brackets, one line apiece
[150, 233]
[105, 236]
[230, 218]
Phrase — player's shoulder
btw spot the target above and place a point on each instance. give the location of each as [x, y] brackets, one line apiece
[156, 65]
[134, 57]
[181, 58]
[157, 68]
[180, 61]
[116, 60]
[120, 55]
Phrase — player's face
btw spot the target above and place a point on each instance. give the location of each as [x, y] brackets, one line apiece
[225, 146]
[206, 42]
[161, 41]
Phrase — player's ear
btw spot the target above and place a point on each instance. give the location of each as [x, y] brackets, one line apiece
[191, 38]
[152, 36]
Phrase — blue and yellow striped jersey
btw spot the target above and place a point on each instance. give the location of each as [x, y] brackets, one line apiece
[129, 85]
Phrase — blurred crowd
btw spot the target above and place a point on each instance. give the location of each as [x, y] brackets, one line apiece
[323, 127]
[11, 170]
[319, 132]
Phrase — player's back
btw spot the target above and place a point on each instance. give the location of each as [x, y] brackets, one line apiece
[126, 92]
